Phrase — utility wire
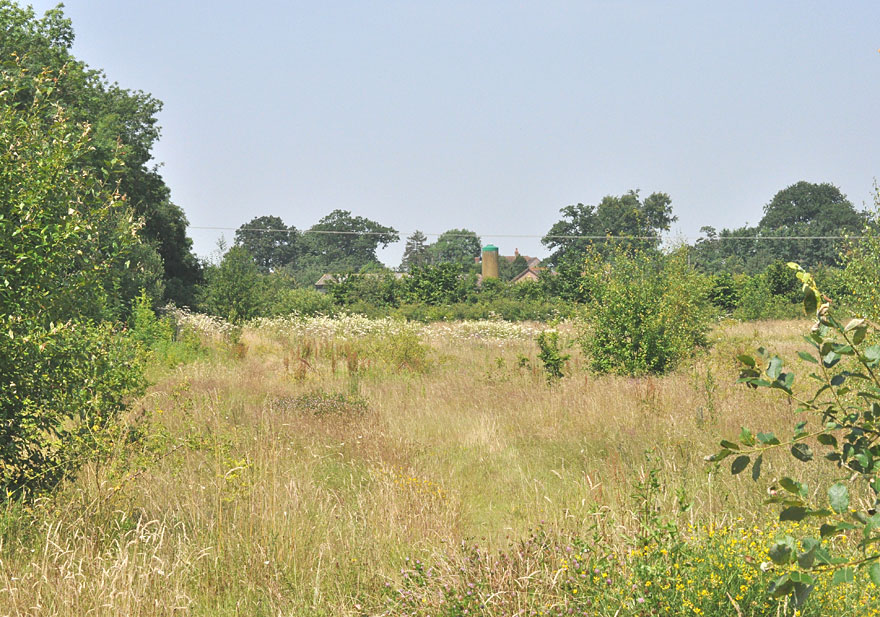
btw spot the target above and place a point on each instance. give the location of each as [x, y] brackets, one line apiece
[527, 236]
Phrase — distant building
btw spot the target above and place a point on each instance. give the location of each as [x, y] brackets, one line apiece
[329, 279]
[531, 262]
[529, 274]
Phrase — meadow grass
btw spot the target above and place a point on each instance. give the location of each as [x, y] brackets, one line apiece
[333, 467]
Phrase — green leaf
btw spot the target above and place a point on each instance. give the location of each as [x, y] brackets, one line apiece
[729, 445]
[830, 359]
[792, 486]
[874, 573]
[827, 440]
[853, 324]
[838, 380]
[774, 368]
[808, 357]
[746, 437]
[802, 452]
[739, 464]
[808, 556]
[781, 551]
[811, 302]
[859, 335]
[793, 513]
[844, 575]
[802, 577]
[782, 586]
[768, 438]
[838, 497]
[756, 468]
[718, 456]
[747, 360]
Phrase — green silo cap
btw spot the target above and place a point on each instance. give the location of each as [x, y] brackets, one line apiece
[490, 247]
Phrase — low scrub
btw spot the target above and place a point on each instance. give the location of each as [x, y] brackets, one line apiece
[645, 314]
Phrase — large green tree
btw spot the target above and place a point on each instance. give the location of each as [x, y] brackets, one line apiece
[415, 253]
[584, 226]
[123, 131]
[271, 243]
[798, 212]
[455, 246]
[341, 242]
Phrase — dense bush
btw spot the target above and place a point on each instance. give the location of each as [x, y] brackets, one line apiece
[646, 313]
[757, 301]
[234, 289]
[301, 302]
[66, 244]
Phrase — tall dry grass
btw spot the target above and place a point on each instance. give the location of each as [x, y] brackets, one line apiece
[297, 474]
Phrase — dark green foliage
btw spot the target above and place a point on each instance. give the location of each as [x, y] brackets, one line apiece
[802, 209]
[234, 289]
[509, 269]
[341, 243]
[300, 301]
[627, 215]
[550, 356]
[270, 242]
[782, 282]
[434, 285]
[456, 246]
[723, 293]
[377, 289]
[756, 300]
[416, 252]
[123, 132]
[646, 312]
[861, 271]
[67, 242]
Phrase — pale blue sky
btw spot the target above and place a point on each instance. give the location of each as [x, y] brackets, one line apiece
[493, 115]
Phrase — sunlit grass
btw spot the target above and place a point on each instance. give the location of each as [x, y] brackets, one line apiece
[303, 470]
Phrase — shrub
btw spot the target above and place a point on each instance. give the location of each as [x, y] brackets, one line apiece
[842, 417]
[234, 289]
[66, 242]
[647, 312]
[756, 300]
[554, 361]
[723, 293]
[301, 302]
[433, 285]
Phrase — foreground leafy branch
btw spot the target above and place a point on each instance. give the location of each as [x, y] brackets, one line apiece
[842, 417]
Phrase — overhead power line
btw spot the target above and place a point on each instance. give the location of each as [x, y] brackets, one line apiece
[526, 236]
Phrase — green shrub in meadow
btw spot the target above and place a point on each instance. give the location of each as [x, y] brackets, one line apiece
[646, 312]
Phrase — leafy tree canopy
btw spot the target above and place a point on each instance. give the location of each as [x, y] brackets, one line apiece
[416, 251]
[340, 242]
[803, 209]
[456, 246]
[270, 242]
[68, 248]
[627, 215]
[123, 132]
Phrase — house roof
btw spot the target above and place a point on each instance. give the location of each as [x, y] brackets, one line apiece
[529, 273]
[326, 279]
